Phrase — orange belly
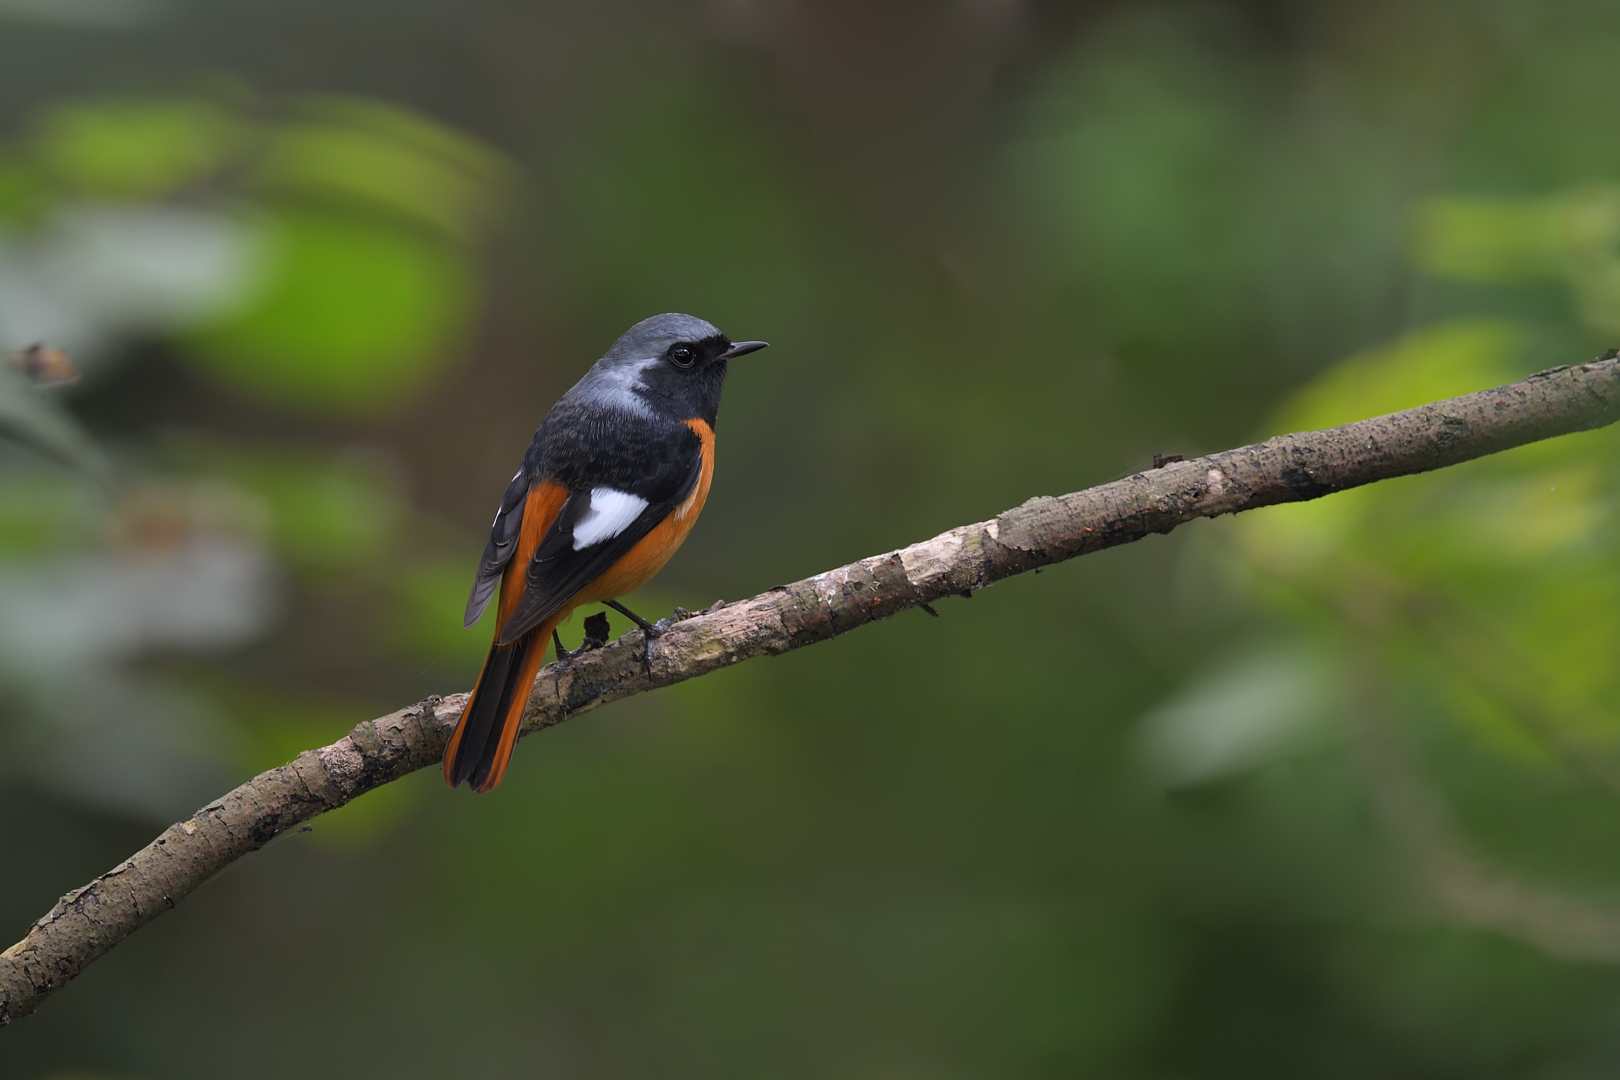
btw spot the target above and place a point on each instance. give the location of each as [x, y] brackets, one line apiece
[641, 563]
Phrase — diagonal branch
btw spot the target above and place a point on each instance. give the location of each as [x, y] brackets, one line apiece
[88, 921]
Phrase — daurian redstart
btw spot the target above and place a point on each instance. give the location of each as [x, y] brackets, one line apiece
[609, 488]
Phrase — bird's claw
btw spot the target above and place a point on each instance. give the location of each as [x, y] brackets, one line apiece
[568, 655]
[596, 636]
[650, 634]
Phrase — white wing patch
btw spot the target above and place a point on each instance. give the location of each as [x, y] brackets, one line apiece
[609, 514]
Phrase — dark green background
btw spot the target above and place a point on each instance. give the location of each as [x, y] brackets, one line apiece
[1323, 791]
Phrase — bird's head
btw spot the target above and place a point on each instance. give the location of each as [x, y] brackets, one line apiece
[673, 363]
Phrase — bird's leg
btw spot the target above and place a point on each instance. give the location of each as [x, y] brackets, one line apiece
[648, 631]
[596, 636]
[646, 627]
[562, 653]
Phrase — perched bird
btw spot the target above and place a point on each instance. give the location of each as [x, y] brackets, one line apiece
[611, 485]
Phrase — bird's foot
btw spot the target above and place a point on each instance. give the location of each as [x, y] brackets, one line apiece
[649, 631]
[565, 655]
[596, 636]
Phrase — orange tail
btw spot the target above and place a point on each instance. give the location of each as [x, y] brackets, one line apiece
[481, 748]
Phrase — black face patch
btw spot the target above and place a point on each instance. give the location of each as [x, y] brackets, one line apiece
[687, 382]
[690, 355]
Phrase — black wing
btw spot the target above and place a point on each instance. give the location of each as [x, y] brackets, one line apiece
[662, 470]
[503, 539]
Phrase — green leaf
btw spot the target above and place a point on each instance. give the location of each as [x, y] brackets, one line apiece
[1426, 365]
[1491, 588]
[136, 149]
[378, 157]
[1242, 713]
[1506, 240]
[24, 192]
[40, 515]
[347, 315]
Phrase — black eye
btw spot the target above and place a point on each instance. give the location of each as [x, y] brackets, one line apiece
[682, 355]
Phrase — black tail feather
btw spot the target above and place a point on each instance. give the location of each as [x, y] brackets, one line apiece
[476, 752]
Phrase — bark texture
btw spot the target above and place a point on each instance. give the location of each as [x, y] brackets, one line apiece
[91, 919]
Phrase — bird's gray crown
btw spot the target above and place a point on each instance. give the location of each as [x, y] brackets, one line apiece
[653, 335]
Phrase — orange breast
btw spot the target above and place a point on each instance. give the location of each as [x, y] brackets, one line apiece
[642, 562]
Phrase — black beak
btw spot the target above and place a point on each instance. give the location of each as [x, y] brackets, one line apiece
[742, 348]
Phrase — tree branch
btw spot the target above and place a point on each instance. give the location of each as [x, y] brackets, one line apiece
[88, 921]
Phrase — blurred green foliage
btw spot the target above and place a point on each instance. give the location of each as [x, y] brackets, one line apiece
[310, 332]
[1325, 790]
[348, 225]
[133, 149]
